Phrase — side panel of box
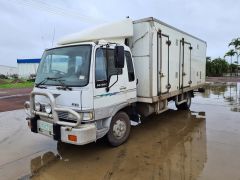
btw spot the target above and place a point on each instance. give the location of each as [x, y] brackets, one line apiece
[182, 73]
[150, 53]
[140, 47]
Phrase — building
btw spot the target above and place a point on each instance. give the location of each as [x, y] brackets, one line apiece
[27, 67]
[8, 70]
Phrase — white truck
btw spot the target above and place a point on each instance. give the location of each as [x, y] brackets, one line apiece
[96, 82]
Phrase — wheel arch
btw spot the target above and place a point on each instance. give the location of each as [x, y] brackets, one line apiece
[125, 107]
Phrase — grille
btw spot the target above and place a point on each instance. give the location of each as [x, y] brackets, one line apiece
[65, 116]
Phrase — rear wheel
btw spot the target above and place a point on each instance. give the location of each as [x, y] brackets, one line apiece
[119, 129]
[186, 105]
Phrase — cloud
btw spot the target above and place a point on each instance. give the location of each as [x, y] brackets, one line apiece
[27, 27]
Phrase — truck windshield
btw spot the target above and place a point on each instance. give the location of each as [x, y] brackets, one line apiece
[68, 64]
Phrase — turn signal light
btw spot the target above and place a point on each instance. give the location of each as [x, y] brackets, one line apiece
[72, 138]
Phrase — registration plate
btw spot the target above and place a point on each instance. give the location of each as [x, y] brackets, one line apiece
[45, 128]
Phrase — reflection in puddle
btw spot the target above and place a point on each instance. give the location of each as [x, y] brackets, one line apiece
[224, 93]
[169, 146]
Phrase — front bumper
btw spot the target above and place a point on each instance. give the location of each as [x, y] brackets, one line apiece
[84, 134]
[69, 132]
[80, 135]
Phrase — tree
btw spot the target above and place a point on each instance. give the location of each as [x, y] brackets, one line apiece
[230, 53]
[216, 67]
[220, 66]
[208, 66]
[236, 44]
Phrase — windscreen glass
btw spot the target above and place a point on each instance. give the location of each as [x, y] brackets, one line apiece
[68, 65]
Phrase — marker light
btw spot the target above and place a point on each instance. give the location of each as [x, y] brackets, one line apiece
[72, 138]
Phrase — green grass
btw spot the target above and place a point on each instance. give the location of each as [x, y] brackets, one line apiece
[8, 84]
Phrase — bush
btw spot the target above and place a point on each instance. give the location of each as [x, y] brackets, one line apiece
[14, 76]
[32, 77]
[216, 67]
[2, 76]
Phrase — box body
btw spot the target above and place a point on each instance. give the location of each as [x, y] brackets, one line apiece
[167, 60]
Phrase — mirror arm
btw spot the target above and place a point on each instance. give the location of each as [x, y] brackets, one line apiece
[108, 88]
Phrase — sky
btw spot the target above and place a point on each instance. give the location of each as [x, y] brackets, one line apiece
[27, 27]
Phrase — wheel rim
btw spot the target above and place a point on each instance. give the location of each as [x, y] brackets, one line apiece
[119, 129]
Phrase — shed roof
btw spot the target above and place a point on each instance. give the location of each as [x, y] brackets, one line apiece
[19, 61]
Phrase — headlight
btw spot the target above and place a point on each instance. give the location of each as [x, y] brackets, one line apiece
[37, 106]
[87, 115]
[27, 108]
[48, 108]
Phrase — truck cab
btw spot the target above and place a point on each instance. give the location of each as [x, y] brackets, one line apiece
[79, 88]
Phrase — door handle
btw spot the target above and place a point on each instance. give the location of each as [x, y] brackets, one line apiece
[161, 74]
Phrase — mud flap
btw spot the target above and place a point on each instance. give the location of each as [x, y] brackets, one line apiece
[34, 124]
[57, 132]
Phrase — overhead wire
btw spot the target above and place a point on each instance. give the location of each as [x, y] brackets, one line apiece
[56, 10]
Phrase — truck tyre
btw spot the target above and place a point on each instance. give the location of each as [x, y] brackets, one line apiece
[119, 129]
[185, 105]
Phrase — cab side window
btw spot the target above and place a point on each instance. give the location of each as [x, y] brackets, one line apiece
[100, 66]
[105, 66]
[112, 70]
[131, 75]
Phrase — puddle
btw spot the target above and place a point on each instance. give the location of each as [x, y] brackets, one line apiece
[225, 94]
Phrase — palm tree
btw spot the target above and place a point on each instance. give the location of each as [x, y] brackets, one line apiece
[236, 44]
[230, 53]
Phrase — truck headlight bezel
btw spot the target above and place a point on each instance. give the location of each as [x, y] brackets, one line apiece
[48, 108]
[87, 116]
[37, 106]
[27, 108]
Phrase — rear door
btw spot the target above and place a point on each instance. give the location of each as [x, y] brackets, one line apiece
[185, 69]
[163, 51]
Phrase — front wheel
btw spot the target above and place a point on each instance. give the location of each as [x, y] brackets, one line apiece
[119, 129]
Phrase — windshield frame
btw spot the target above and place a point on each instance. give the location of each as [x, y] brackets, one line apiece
[60, 47]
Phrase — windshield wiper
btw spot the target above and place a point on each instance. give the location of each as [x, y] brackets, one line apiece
[58, 79]
[45, 80]
[41, 83]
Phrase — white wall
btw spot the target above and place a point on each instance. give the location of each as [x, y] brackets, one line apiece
[26, 69]
[7, 70]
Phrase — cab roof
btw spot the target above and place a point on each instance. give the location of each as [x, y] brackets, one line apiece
[112, 32]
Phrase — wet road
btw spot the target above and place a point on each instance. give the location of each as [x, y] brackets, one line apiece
[11, 99]
[200, 144]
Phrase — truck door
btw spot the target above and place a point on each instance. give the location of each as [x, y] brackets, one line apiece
[110, 83]
[163, 63]
[185, 63]
[131, 80]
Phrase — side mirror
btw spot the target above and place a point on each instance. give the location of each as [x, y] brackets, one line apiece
[119, 56]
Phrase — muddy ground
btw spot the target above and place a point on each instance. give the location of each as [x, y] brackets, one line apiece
[11, 99]
[201, 144]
